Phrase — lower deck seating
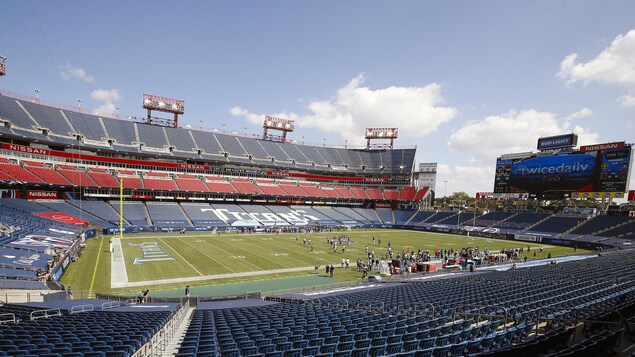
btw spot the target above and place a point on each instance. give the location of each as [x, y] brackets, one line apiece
[492, 312]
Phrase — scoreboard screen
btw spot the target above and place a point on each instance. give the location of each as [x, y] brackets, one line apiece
[558, 174]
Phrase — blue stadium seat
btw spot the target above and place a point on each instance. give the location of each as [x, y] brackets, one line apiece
[360, 352]
[394, 348]
[328, 348]
[310, 351]
[377, 351]
[297, 352]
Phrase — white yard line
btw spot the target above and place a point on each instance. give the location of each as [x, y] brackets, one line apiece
[210, 257]
[180, 256]
[212, 277]
[118, 272]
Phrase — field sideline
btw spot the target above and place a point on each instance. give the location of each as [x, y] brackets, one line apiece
[165, 261]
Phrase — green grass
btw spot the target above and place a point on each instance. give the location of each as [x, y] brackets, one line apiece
[204, 254]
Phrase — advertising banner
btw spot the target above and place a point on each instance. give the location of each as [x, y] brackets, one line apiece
[41, 195]
[559, 141]
[603, 171]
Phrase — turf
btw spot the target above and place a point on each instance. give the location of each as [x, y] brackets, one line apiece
[203, 255]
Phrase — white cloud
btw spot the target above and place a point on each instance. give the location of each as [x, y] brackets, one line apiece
[105, 95]
[469, 179]
[416, 111]
[614, 65]
[69, 72]
[582, 113]
[242, 112]
[627, 100]
[512, 132]
[107, 109]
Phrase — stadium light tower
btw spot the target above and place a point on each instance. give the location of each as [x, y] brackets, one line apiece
[37, 96]
[163, 104]
[3, 69]
[283, 125]
[381, 133]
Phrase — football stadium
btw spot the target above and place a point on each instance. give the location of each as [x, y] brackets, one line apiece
[297, 250]
[143, 236]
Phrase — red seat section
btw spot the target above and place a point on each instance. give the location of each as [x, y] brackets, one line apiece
[218, 184]
[33, 163]
[49, 175]
[293, 190]
[344, 192]
[313, 191]
[187, 176]
[421, 193]
[131, 182]
[359, 192]
[391, 194]
[6, 177]
[166, 184]
[330, 192]
[104, 179]
[271, 189]
[374, 193]
[246, 187]
[19, 173]
[407, 193]
[76, 177]
[191, 184]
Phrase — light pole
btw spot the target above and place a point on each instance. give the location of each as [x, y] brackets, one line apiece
[37, 96]
[445, 193]
[117, 112]
[79, 105]
[459, 204]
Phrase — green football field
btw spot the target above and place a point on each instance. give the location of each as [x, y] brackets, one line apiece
[169, 261]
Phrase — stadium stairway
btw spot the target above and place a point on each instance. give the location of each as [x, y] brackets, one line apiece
[189, 220]
[564, 234]
[148, 217]
[173, 345]
[535, 224]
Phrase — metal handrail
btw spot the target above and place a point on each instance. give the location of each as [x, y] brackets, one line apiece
[480, 314]
[111, 305]
[82, 308]
[44, 314]
[4, 321]
[546, 314]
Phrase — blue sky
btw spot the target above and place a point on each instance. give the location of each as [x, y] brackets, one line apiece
[465, 81]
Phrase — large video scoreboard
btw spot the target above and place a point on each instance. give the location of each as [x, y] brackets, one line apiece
[593, 171]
